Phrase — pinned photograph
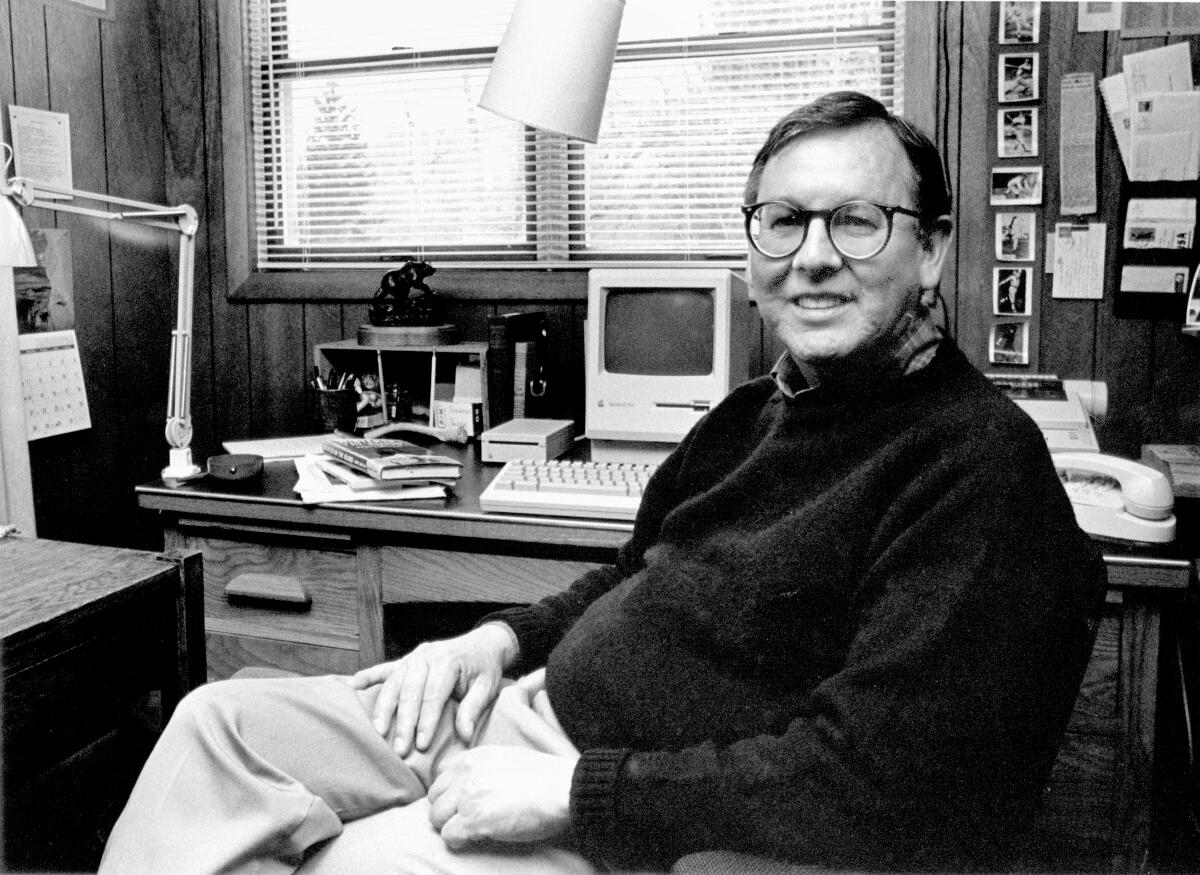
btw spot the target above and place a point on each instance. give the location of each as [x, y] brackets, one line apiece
[1017, 77]
[1009, 343]
[1020, 22]
[1016, 236]
[1017, 132]
[1011, 295]
[1016, 185]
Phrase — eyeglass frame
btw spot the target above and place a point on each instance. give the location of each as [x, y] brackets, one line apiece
[748, 210]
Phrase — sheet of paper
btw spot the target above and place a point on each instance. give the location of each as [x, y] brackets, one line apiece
[1159, 223]
[41, 145]
[1079, 260]
[52, 383]
[1165, 135]
[1159, 19]
[1099, 16]
[273, 449]
[1077, 145]
[1116, 103]
[1154, 279]
[1156, 70]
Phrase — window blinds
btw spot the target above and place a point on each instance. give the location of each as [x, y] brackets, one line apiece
[369, 145]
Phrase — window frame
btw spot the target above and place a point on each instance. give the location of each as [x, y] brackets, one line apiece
[489, 280]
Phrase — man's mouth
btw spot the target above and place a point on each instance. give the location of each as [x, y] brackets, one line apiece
[824, 301]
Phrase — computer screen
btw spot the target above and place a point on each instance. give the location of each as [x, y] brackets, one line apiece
[663, 346]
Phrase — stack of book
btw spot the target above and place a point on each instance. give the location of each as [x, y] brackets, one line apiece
[374, 469]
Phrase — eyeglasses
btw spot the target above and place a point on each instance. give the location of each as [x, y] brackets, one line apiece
[857, 230]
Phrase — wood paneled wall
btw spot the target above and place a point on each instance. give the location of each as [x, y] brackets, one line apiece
[144, 94]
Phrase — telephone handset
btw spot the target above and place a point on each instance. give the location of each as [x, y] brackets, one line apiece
[1118, 498]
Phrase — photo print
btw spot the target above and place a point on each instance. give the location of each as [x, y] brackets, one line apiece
[1011, 290]
[1017, 132]
[1009, 343]
[1016, 185]
[1016, 236]
[1020, 22]
[1017, 77]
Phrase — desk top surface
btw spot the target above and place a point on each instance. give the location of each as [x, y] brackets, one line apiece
[273, 501]
[41, 580]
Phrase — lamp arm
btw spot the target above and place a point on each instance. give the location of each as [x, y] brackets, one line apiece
[183, 220]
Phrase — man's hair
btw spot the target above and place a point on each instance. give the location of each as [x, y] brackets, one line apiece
[848, 109]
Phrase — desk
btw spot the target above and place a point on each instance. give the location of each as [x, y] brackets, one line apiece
[85, 631]
[354, 558]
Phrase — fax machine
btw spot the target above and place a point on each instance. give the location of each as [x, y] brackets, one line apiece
[1113, 497]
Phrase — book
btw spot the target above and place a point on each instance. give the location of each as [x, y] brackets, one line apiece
[314, 486]
[504, 332]
[392, 459]
[520, 377]
[340, 472]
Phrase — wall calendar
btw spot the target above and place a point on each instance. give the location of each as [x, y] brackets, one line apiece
[52, 384]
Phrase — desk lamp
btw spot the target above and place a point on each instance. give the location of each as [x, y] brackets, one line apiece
[181, 219]
[553, 65]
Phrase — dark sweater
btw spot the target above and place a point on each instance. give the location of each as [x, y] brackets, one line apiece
[848, 628]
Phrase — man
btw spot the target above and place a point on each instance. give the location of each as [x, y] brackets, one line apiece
[848, 628]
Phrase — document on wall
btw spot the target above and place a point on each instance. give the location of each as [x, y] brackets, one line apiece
[1158, 19]
[1157, 70]
[1160, 223]
[1079, 260]
[1166, 136]
[52, 384]
[1095, 16]
[1116, 104]
[1077, 145]
[41, 145]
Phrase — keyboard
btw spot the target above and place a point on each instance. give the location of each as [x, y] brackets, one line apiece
[604, 490]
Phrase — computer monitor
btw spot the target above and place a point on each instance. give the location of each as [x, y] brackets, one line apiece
[662, 347]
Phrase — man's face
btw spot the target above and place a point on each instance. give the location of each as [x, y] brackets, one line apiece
[823, 307]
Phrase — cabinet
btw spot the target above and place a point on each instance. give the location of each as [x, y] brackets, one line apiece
[421, 373]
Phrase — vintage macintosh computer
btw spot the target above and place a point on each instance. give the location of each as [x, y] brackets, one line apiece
[662, 347]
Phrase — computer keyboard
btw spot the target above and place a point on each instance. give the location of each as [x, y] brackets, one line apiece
[604, 490]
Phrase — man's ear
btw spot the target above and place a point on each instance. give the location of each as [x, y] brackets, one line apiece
[935, 246]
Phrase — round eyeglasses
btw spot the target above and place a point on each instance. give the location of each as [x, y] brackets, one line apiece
[857, 230]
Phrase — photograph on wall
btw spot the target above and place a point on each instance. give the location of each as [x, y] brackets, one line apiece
[45, 293]
[1017, 77]
[1017, 132]
[1016, 236]
[1009, 343]
[1020, 22]
[1011, 294]
[1016, 185]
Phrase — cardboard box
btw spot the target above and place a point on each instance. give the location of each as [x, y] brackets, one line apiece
[450, 414]
[540, 439]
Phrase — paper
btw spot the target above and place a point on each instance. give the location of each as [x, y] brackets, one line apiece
[1116, 102]
[1165, 136]
[1159, 223]
[1079, 260]
[1158, 19]
[1077, 145]
[1095, 16]
[52, 384]
[1153, 279]
[274, 449]
[41, 145]
[1157, 70]
[314, 487]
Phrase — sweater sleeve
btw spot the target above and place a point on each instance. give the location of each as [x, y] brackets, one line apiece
[540, 626]
[974, 622]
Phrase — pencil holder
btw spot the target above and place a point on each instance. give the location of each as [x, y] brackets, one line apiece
[336, 409]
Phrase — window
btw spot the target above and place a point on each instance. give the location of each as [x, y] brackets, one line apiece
[369, 145]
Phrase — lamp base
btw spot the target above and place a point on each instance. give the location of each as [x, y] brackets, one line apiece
[181, 467]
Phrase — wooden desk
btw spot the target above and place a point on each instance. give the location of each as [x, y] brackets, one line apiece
[354, 558]
[85, 632]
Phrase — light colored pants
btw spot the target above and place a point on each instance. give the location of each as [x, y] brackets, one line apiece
[252, 775]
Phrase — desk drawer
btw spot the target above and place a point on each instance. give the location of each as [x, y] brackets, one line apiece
[413, 574]
[329, 577]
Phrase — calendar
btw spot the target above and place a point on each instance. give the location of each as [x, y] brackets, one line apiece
[52, 383]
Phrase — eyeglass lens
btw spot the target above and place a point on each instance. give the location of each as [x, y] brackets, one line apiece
[857, 230]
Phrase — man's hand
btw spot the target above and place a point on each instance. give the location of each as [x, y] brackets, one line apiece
[417, 686]
[502, 794]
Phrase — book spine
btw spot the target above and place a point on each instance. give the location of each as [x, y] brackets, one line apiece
[355, 461]
[520, 377]
[499, 375]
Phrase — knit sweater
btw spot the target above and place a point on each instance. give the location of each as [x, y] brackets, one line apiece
[848, 628]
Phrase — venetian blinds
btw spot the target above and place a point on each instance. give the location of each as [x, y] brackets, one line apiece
[369, 144]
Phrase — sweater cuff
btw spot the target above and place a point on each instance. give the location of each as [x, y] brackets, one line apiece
[526, 627]
[593, 795]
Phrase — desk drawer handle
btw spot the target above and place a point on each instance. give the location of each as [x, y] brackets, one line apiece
[276, 591]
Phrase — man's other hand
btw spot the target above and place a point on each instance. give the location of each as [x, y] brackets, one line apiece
[501, 794]
[417, 686]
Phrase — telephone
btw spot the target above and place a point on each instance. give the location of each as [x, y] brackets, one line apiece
[1112, 497]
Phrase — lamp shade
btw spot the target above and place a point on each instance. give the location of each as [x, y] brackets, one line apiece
[552, 68]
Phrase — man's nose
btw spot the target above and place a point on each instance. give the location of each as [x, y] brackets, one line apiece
[817, 252]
